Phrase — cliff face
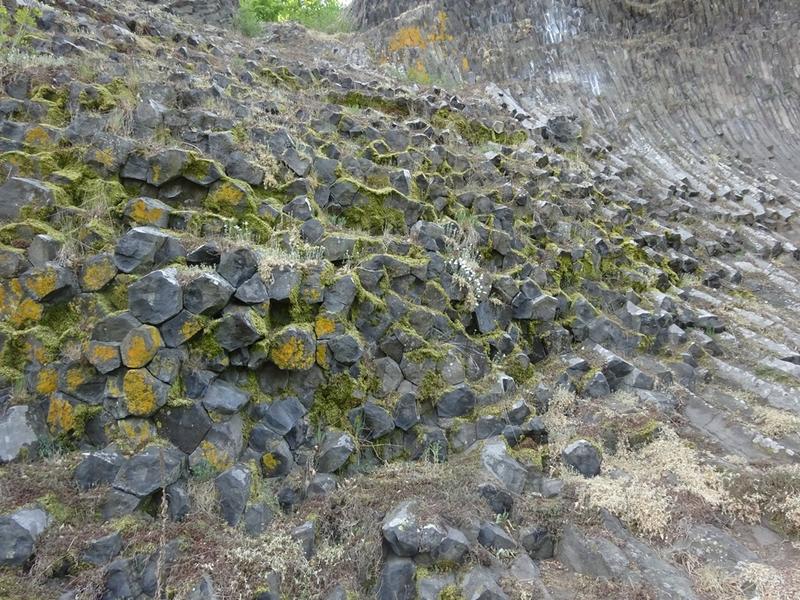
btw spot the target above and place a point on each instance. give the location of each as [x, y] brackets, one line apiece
[690, 89]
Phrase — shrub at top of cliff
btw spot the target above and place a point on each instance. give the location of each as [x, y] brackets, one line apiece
[323, 15]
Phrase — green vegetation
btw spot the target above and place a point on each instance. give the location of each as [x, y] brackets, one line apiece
[322, 15]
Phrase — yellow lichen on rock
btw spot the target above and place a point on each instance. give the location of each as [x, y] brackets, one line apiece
[60, 416]
[97, 275]
[214, 456]
[27, 311]
[140, 346]
[144, 214]
[291, 355]
[42, 283]
[47, 381]
[140, 397]
[324, 325]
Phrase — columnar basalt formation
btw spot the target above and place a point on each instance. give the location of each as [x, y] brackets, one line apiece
[482, 300]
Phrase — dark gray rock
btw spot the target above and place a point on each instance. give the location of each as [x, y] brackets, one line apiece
[339, 296]
[207, 294]
[583, 457]
[206, 254]
[237, 266]
[335, 449]
[185, 426]
[299, 208]
[257, 518]
[233, 491]
[43, 249]
[97, 468]
[306, 534]
[180, 329]
[598, 386]
[389, 376]
[452, 549]
[495, 537]
[252, 291]
[17, 193]
[156, 297]
[405, 412]
[224, 397]
[481, 584]
[179, 503]
[103, 550]
[152, 469]
[377, 422]
[282, 415]
[16, 543]
[239, 329]
[118, 504]
[115, 327]
[505, 469]
[50, 283]
[397, 580]
[401, 530]
[283, 279]
[345, 349]
[455, 403]
[538, 542]
[144, 247]
[18, 433]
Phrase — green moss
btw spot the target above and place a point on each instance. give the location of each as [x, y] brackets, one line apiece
[520, 373]
[374, 216]
[474, 132]
[300, 310]
[56, 102]
[450, 592]
[206, 345]
[356, 99]
[431, 386]
[59, 511]
[334, 400]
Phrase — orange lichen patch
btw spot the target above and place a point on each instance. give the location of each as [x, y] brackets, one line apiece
[103, 157]
[214, 456]
[324, 326]
[140, 397]
[137, 433]
[322, 356]
[291, 355]
[42, 283]
[229, 198]
[47, 381]
[97, 275]
[269, 462]
[104, 356]
[191, 328]
[27, 311]
[140, 346]
[60, 416]
[465, 64]
[413, 37]
[75, 377]
[407, 37]
[38, 136]
[144, 214]
[103, 352]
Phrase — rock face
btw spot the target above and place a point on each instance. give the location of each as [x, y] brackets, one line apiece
[261, 296]
[17, 433]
